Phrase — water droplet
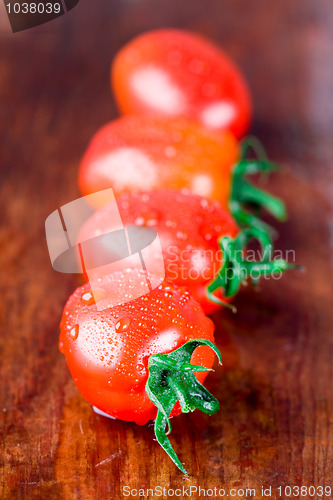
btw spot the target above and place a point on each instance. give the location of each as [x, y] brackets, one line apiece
[74, 333]
[181, 236]
[123, 324]
[140, 367]
[87, 298]
[170, 223]
[149, 219]
[196, 66]
[61, 347]
[144, 197]
[207, 231]
[170, 151]
[139, 221]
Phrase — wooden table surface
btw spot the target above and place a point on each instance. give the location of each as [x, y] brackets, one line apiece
[275, 426]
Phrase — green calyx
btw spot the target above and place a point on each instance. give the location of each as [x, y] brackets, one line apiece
[237, 268]
[171, 379]
[245, 195]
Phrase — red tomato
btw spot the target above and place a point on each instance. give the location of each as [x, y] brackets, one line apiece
[176, 73]
[114, 354]
[189, 227]
[142, 153]
[202, 246]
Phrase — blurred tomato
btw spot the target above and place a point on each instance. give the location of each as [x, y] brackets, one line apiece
[139, 153]
[175, 73]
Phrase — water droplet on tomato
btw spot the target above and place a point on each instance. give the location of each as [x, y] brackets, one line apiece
[74, 333]
[150, 219]
[165, 286]
[170, 223]
[140, 367]
[181, 236]
[139, 221]
[123, 324]
[196, 66]
[144, 197]
[170, 151]
[207, 231]
[204, 203]
[198, 219]
[87, 298]
[61, 347]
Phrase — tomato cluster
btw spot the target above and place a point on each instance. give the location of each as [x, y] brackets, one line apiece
[175, 164]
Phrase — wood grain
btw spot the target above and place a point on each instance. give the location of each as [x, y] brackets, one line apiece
[275, 426]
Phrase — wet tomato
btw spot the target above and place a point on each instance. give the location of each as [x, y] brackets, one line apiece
[200, 242]
[141, 153]
[136, 361]
[177, 73]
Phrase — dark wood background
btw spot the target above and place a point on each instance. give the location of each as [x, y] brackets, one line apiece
[275, 426]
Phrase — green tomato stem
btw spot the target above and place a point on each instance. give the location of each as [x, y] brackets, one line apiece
[244, 194]
[171, 379]
[237, 269]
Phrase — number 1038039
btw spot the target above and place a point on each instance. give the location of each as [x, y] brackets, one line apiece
[304, 491]
[33, 8]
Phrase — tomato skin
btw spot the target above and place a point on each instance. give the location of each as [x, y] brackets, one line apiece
[141, 153]
[109, 364]
[189, 227]
[177, 73]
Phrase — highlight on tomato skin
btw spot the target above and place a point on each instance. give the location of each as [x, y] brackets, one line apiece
[107, 351]
[143, 152]
[172, 73]
[189, 228]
